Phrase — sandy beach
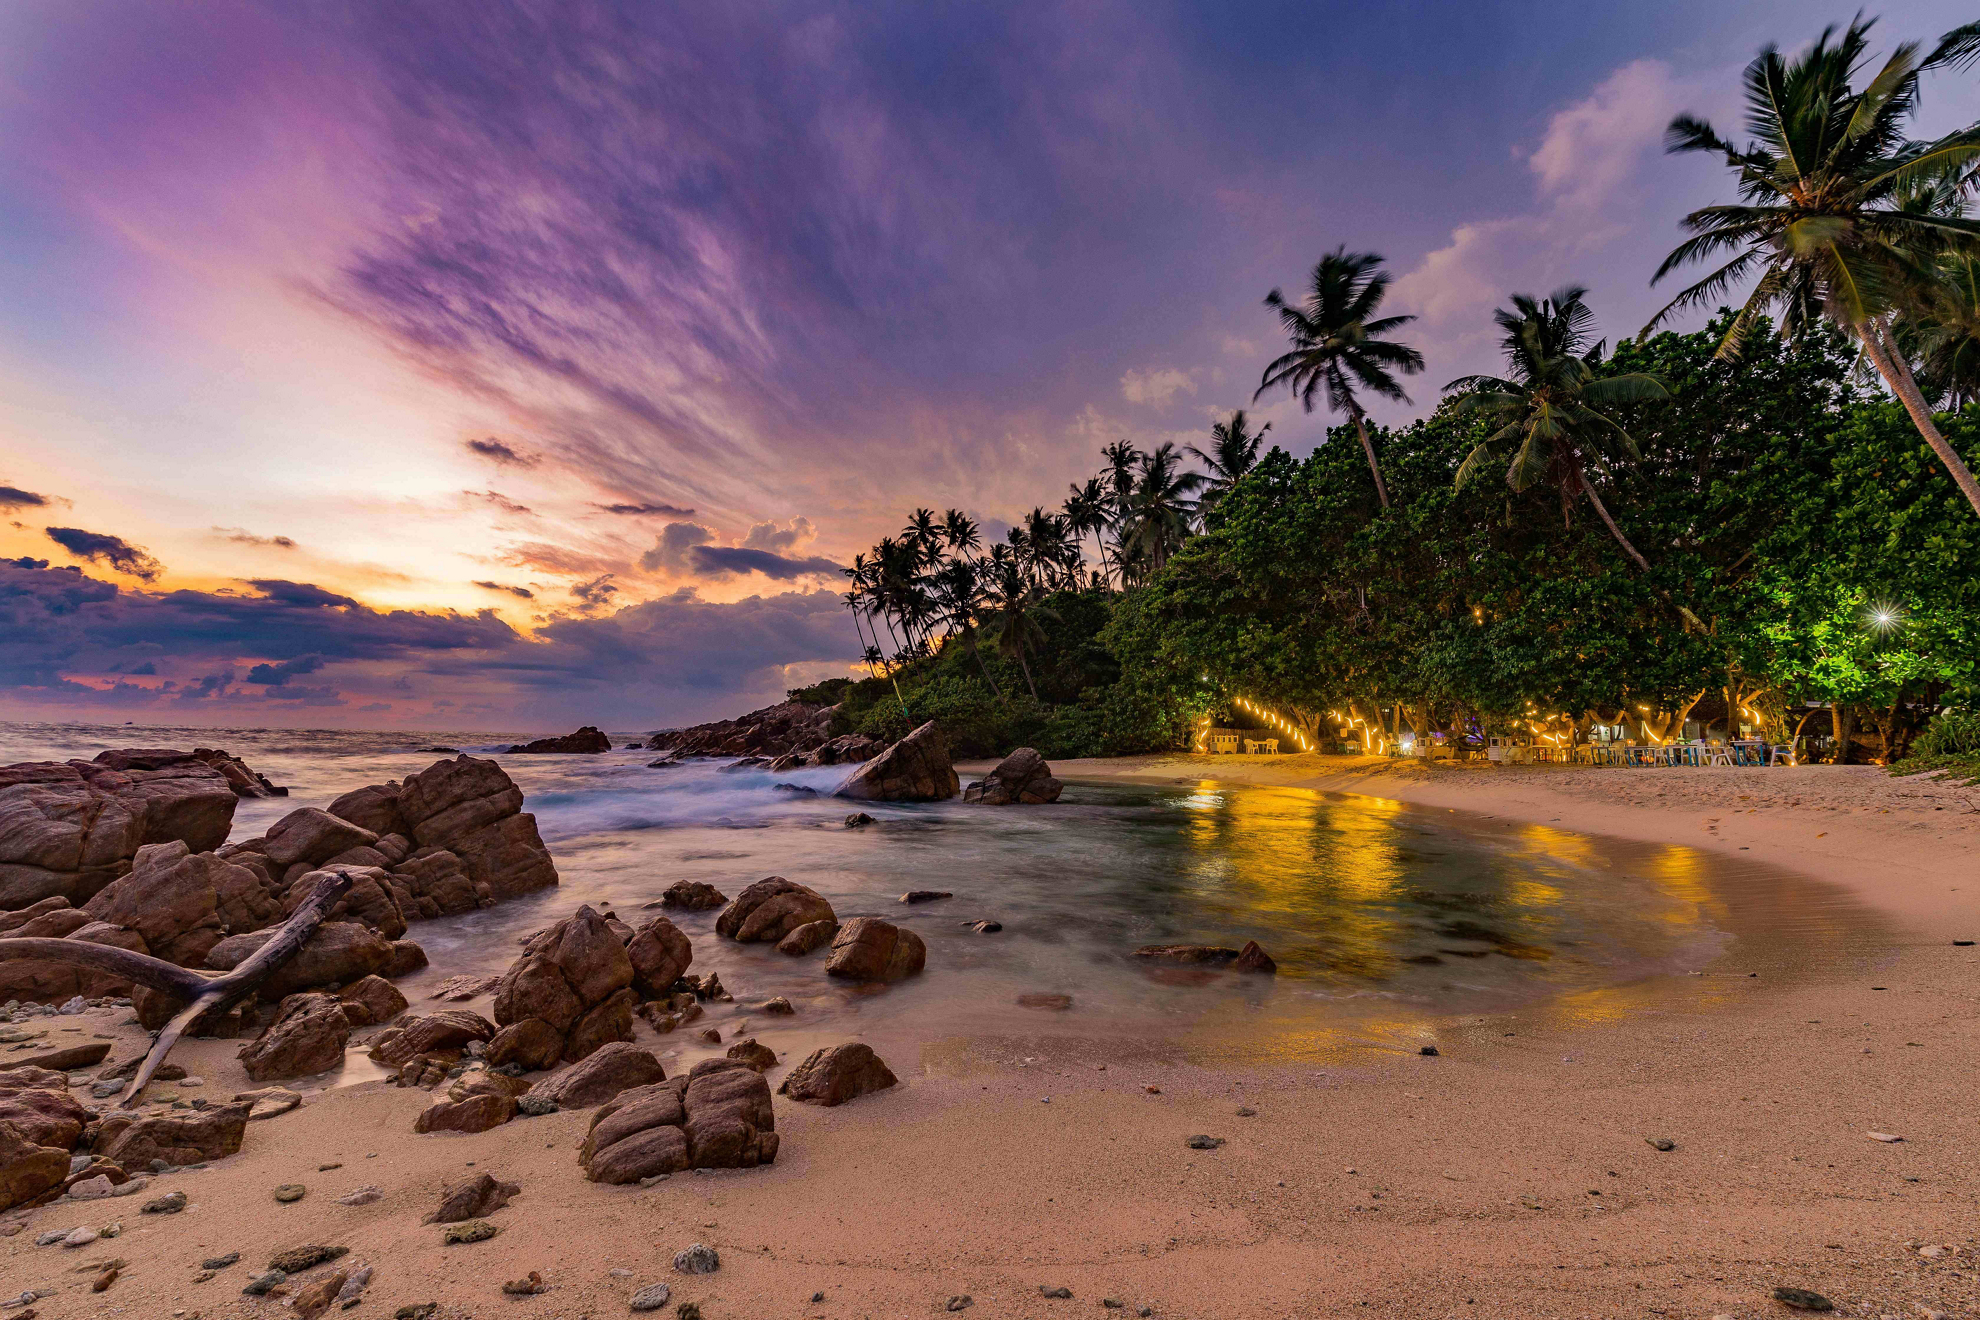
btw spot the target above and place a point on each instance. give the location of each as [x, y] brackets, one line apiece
[1513, 1174]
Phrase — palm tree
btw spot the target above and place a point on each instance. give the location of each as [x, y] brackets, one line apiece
[1013, 621]
[1159, 505]
[1945, 329]
[1233, 451]
[959, 594]
[1085, 510]
[925, 536]
[1338, 343]
[959, 532]
[1823, 224]
[1549, 407]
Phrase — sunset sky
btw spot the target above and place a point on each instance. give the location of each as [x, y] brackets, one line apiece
[515, 366]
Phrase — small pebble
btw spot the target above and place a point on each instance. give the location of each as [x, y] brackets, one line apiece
[1060, 1293]
[1661, 1143]
[652, 1297]
[290, 1192]
[697, 1259]
[220, 1262]
[259, 1287]
[960, 1302]
[1202, 1142]
[1246, 1111]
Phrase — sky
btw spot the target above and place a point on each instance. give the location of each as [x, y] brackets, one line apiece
[479, 364]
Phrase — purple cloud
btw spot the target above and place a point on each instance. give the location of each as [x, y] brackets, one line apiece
[101, 547]
[13, 497]
[499, 453]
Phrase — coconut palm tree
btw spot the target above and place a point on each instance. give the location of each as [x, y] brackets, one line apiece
[1823, 227]
[1339, 344]
[958, 591]
[1012, 623]
[1159, 507]
[1085, 510]
[1233, 451]
[1549, 407]
[960, 534]
[1944, 328]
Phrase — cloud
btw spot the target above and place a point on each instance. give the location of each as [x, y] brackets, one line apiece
[670, 552]
[101, 547]
[521, 593]
[278, 675]
[595, 594]
[685, 549]
[500, 453]
[500, 501]
[718, 561]
[637, 510]
[242, 536]
[306, 594]
[1155, 387]
[779, 540]
[13, 497]
[26, 561]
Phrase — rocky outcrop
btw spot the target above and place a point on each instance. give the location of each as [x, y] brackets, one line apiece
[836, 1074]
[692, 896]
[575, 978]
[178, 1138]
[869, 949]
[585, 740]
[915, 769]
[371, 1000]
[848, 749]
[1251, 958]
[448, 1031]
[619, 1066]
[337, 953]
[308, 1036]
[70, 828]
[716, 1117]
[1021, 777]
[175, 899]
[789, 726]
[660, 955]
[471, 808]
[243, 779]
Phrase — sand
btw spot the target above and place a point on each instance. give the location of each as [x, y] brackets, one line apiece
[1508, 1176]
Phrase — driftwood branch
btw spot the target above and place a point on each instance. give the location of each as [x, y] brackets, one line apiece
[208, 995]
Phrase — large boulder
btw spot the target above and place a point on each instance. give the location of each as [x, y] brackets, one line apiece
[27, 1168]
[692, 895]
[619, 1066]
[848, 749]
[716, 1117]
[374, 807]
[473, 1198]
[1021, 777]
[660, 953]
[178, 1138]
[789, 726]
[471, 808]
[312, 836]
[836, 1074]
[771, 909]
[474, 1113]
[337, 953]
[70, 828]
[577, 979]
[915, 769]
[869, 949]
[43, 1112]
[585, 740]
[172, 898]
[449, 1029]
[308, 1036]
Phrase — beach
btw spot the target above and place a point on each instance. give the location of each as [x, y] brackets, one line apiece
[1513, 1173]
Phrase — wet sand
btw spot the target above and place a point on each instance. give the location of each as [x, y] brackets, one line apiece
[1508, 1176]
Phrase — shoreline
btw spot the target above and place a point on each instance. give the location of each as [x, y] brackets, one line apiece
[1511, 1175]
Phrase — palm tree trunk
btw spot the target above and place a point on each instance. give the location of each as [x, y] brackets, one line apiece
[1602, 511]
[1897, 374]
[977, 651]
[1027, 672]
[1374, 468]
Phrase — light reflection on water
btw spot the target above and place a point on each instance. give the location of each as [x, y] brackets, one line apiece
[1383, 918]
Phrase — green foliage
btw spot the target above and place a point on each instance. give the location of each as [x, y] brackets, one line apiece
[1954, 733]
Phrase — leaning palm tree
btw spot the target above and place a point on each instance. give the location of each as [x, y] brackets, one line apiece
[1233, 451]
[1823, 227]
[1549, 407]
[1085, 510]
[1338, 344]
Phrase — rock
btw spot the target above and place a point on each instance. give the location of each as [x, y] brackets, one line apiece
[1023, 776]
[652, 1297]
[1661, 1143]
[869, 949]
[770, 909]
[660, 955]
[366, 1195]
[717, 1117]
[1428, 1051]
[925, 895]
[808, 938]
[475, 1230]
[290, 1193]
[172, 900]
[1874, 1136]
[169, 1204]
[535, 1106]
[528, 1286]
[27, 1168]
[752, 1055]
[1202, 1142]
[297, 1259]
[404, 959]
[692, 896]
[459, 989]
[1058, 1294]
[337, 953]
[476, 1198]
[269, 1102]
[266, 1283]
[471, 808]
[76, 1056]
[859, 820]
[1037, 999]
[915, 769]
[1801, 1299]
[697, 1259]
[374, 808]
[985, 927]
[312, 836]
[836, 1074]
[960, 1302]
[531, 1044]
[779, 1006]
[476, 1113]
[572, 976]
[848, 749]
[221, 1262]
[315, 1298]
[1251, 958]
[448, 1029]
[587, 740]
[371, 1000]
[50, 981]
[613, 1068]
[307, 1036]
[179, 1138]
